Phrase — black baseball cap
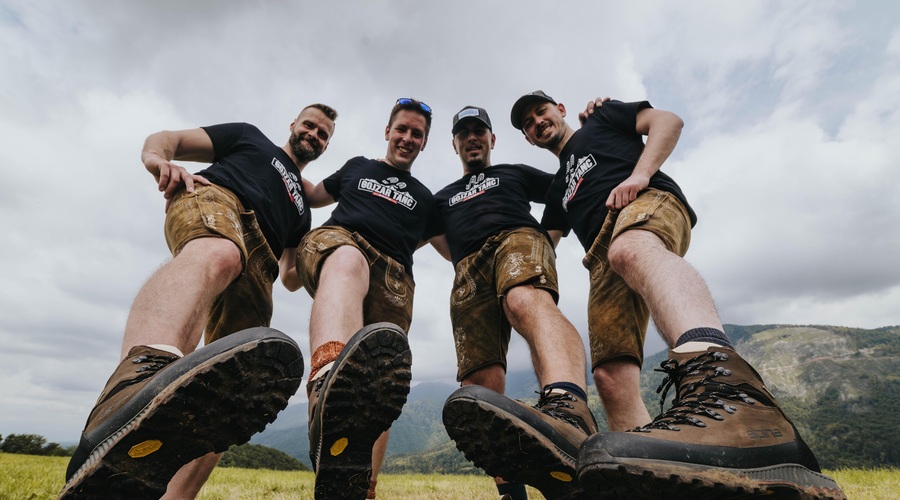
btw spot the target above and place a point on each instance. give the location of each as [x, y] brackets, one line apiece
[523, 102]
[470, 113]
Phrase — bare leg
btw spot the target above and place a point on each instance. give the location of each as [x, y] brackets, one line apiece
[492, 376]
[186, 483]
[337, 311]
[173, 305]
[172, 308]
[618, 383]
[676, 294]
[378, 451]
[556, 349]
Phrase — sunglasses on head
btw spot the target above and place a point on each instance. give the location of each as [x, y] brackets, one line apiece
[405, 101]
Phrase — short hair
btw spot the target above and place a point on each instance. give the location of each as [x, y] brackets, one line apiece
[324, 108]
[411, 105]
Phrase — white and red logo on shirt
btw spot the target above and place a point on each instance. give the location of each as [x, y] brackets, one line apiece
[389, 189]
[575, 172]
[292, 183]
[476, 186]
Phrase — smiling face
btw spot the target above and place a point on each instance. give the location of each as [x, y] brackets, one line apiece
[473, 142]
[310, 134]
[544, 124]
[406, 136]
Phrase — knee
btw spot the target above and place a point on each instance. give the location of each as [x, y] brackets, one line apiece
[616, 378]
[220, 257]
[347, 260]
[621, 254]
[522, 300]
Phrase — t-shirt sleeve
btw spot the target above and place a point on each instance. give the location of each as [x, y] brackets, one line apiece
[622, 115]
[538, 182]
[225, 136]
[333, 182]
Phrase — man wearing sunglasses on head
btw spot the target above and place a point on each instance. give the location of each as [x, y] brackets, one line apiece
[506, 278]
[358, 269]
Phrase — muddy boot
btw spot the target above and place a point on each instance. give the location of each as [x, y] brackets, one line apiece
[158, 411]
[724, 437]
[536, 445]
[352, 404]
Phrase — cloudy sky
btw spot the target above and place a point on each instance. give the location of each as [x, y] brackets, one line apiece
[789, 155]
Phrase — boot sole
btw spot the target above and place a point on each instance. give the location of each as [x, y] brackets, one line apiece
[650, 479]
[492, 433]
[362, 395]
[216, 397]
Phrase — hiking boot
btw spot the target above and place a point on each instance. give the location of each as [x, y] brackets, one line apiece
[352, 404]
[724, 436]
[159, 412]
[536, 445]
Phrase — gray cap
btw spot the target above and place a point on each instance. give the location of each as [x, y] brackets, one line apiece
[470, 113]
[523, 102]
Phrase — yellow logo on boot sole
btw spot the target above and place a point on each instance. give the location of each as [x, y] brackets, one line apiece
[561, 476]
[338, 447]
[145, 448]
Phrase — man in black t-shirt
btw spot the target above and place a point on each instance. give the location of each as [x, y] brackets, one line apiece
[725, 433]
[358, 269]
[506, 278]
[228, 227]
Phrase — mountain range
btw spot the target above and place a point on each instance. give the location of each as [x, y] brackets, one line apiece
[840, 386]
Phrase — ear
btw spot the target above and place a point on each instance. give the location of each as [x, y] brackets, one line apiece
[424, 142]
[562, 109]
[528, 139]
[386, 130]
[493, 140]
[453, 143]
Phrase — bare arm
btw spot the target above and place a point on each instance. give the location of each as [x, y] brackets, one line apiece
[555, 236]
[163, 147]
[440, 244]
[316, 194]
[287, 269]
[662, 128]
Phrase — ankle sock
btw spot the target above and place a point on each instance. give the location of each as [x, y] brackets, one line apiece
[324, 354]
[705, 334]
[568, 387]
[370, 495]
[516, 491]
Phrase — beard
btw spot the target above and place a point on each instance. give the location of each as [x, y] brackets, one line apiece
[303, 150]
[476, 163]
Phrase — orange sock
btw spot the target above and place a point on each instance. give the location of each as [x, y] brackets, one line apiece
[326, 353]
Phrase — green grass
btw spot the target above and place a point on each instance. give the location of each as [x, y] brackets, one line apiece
[24, 477]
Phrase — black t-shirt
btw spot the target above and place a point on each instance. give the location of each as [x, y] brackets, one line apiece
[264, 178]
[486, 202]
[388, 207]
[597, 158]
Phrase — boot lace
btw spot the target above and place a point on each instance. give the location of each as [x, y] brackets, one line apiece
[688, 400]
[151, 364]
[556, 405]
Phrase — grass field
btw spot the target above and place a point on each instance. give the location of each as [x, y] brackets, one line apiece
[30, 477]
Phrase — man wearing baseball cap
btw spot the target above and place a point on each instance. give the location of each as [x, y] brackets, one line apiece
[506, 278]
[725, 434]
